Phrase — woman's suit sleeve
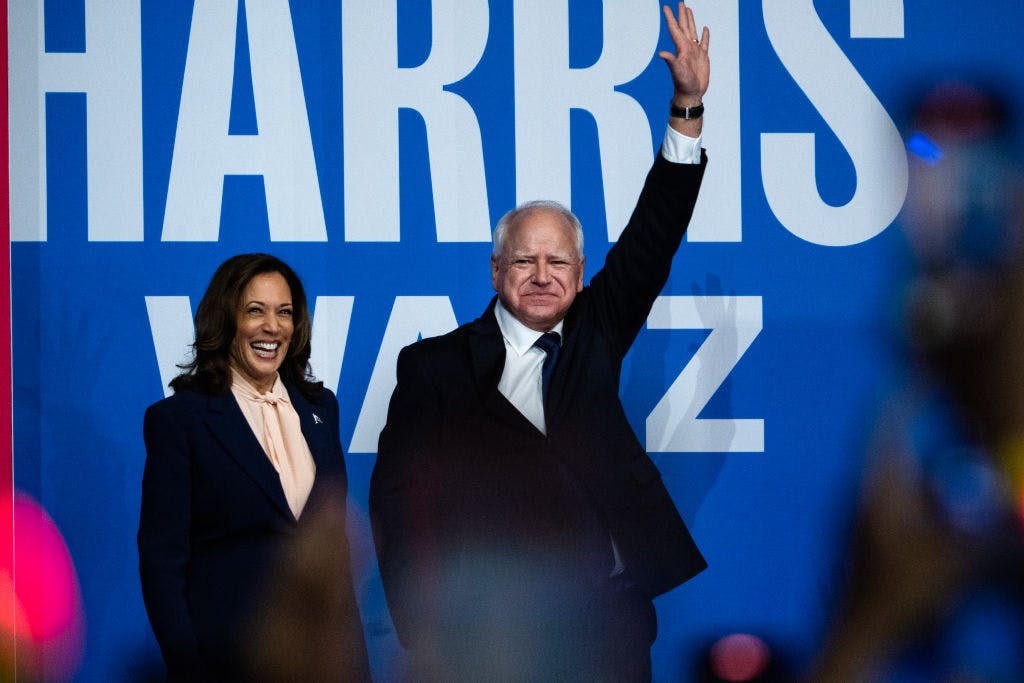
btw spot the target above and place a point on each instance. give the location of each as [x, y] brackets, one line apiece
[164, 539]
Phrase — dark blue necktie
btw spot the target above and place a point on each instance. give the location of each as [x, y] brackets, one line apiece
[549, 343]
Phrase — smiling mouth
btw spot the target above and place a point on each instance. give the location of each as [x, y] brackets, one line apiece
[265, 349]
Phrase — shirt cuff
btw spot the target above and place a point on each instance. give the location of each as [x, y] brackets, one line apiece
[679, 148]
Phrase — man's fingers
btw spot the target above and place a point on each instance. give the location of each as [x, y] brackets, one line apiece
[687, 23]
[674, 30]
[683, 29]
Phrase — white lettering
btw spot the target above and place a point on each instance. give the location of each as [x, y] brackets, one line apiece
[546, 89]
[855, 115]
[110, 74]
[333, 315]
[673, 425]
[412, 318]
[374, 90]
[170, 323]
[718, 216]
[876, 18]
[204, 152]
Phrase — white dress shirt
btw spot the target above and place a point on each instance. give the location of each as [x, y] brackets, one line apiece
[679, 148]
[520, 381]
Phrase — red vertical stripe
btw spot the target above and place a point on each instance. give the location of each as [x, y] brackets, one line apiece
[6, 433]
[5, 266]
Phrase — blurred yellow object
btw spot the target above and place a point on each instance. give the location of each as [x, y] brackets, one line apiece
[1010, 458]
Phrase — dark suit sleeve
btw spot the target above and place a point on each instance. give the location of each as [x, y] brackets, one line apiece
[164, 540]
[402, 487]
[638, 264]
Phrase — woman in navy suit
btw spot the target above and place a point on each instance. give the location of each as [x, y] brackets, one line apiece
[236, 461]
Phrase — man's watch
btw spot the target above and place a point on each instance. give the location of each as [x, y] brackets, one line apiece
[687, 113]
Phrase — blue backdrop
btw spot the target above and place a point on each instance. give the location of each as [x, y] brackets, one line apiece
[372, 145]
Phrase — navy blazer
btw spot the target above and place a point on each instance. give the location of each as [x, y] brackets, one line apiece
[477, 513]
[213, 519]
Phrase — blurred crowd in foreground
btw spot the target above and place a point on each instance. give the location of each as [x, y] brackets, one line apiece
[934, 590]
[933, 587]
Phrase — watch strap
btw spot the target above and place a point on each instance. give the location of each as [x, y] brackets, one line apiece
[687, 113]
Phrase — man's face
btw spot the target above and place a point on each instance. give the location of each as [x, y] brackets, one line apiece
[539, 270]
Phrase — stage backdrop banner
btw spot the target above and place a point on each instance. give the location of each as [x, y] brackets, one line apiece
[372, 146]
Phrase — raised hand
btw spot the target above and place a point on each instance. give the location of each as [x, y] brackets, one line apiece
[689, 66]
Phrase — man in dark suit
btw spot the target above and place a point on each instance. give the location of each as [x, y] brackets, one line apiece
[521, 529]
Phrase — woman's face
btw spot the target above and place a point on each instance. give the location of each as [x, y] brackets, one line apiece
[264, 329]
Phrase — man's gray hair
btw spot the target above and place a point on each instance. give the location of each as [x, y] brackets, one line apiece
[510, 218]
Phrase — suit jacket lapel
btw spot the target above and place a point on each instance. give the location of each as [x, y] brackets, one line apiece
[313, 428]
[230, 427]
[487, 348]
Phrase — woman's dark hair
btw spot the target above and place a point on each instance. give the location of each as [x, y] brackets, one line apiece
[216, 317]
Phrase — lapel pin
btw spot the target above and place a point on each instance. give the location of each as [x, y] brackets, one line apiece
[317, 420]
